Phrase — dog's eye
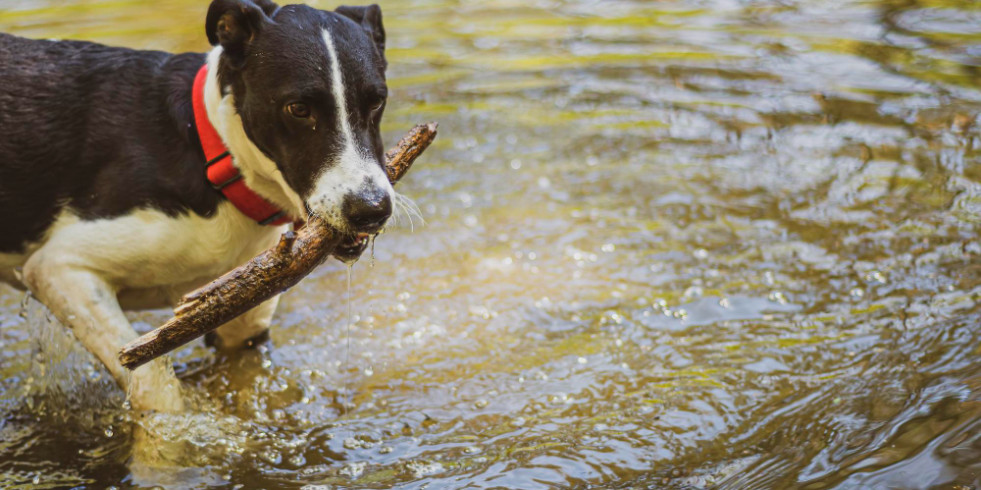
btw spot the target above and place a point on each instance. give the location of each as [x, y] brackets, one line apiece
[298, 110]
[377, 106]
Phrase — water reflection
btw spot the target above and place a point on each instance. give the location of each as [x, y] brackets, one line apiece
[693, 244]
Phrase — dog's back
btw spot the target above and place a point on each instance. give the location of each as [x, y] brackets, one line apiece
[80, 122]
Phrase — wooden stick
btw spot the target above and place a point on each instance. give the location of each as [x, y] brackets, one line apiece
[263, 277]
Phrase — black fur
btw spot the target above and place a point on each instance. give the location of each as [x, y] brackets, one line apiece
[104, 130]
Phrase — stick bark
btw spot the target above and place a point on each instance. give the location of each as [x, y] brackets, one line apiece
[266, 275]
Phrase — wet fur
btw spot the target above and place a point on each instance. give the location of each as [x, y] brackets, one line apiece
[102, 176]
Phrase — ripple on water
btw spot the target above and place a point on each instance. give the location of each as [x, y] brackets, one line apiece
[691, 244]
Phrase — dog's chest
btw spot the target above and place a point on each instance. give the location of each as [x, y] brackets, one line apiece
[149, 249]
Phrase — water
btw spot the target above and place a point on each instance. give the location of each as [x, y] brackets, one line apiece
[690, 244]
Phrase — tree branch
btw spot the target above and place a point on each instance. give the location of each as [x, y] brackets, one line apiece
[266, 275]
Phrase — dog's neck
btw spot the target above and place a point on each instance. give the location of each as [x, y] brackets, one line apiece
[258, 171]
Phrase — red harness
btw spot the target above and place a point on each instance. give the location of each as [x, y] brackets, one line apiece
[222, 172]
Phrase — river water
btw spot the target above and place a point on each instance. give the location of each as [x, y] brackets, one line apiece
[690, 244]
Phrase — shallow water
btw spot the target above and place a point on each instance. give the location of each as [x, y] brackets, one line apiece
[690, 244]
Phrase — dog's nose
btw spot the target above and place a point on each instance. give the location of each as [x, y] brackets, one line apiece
[367, 212]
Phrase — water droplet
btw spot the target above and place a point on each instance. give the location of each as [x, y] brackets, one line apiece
[777, 297]
[613, 317]
[875, 276]
[271, 456]
[109, 432]
[480, 403]
[768, 278]
[693, 292]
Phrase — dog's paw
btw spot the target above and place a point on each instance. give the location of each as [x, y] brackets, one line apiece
[155, 387]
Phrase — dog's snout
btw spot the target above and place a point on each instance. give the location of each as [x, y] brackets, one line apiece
[368, 211]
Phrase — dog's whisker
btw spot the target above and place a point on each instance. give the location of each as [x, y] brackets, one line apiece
[397, 212]
[410, 207]
[403, 207]
[404, 211]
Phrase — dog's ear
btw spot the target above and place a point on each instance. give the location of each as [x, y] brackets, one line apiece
[268, 7]
[235, 23]
[370, 19]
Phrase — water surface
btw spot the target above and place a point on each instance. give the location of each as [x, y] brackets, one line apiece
[690, 244]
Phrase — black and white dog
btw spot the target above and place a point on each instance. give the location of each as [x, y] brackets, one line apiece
[128, 178]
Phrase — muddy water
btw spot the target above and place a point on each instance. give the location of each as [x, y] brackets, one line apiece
[687, 244]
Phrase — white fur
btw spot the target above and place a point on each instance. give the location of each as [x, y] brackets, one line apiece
[148, 249]
[259, 172]
[350, 171]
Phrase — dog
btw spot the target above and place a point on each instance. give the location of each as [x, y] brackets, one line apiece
[129, 178]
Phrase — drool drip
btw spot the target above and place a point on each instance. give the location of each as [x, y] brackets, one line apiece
[347, 334]
[371, 258]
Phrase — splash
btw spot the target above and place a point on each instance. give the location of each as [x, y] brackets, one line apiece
[64, 376]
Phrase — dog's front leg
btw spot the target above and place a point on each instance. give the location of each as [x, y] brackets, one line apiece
[247, 330]
[85, 302]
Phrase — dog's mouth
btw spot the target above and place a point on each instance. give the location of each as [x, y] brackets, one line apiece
[351, 247]
[353, 244]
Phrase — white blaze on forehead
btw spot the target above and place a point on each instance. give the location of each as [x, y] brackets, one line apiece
[337, 88]
[354, 168]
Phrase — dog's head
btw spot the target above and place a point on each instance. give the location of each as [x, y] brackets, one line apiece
[309, 88]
